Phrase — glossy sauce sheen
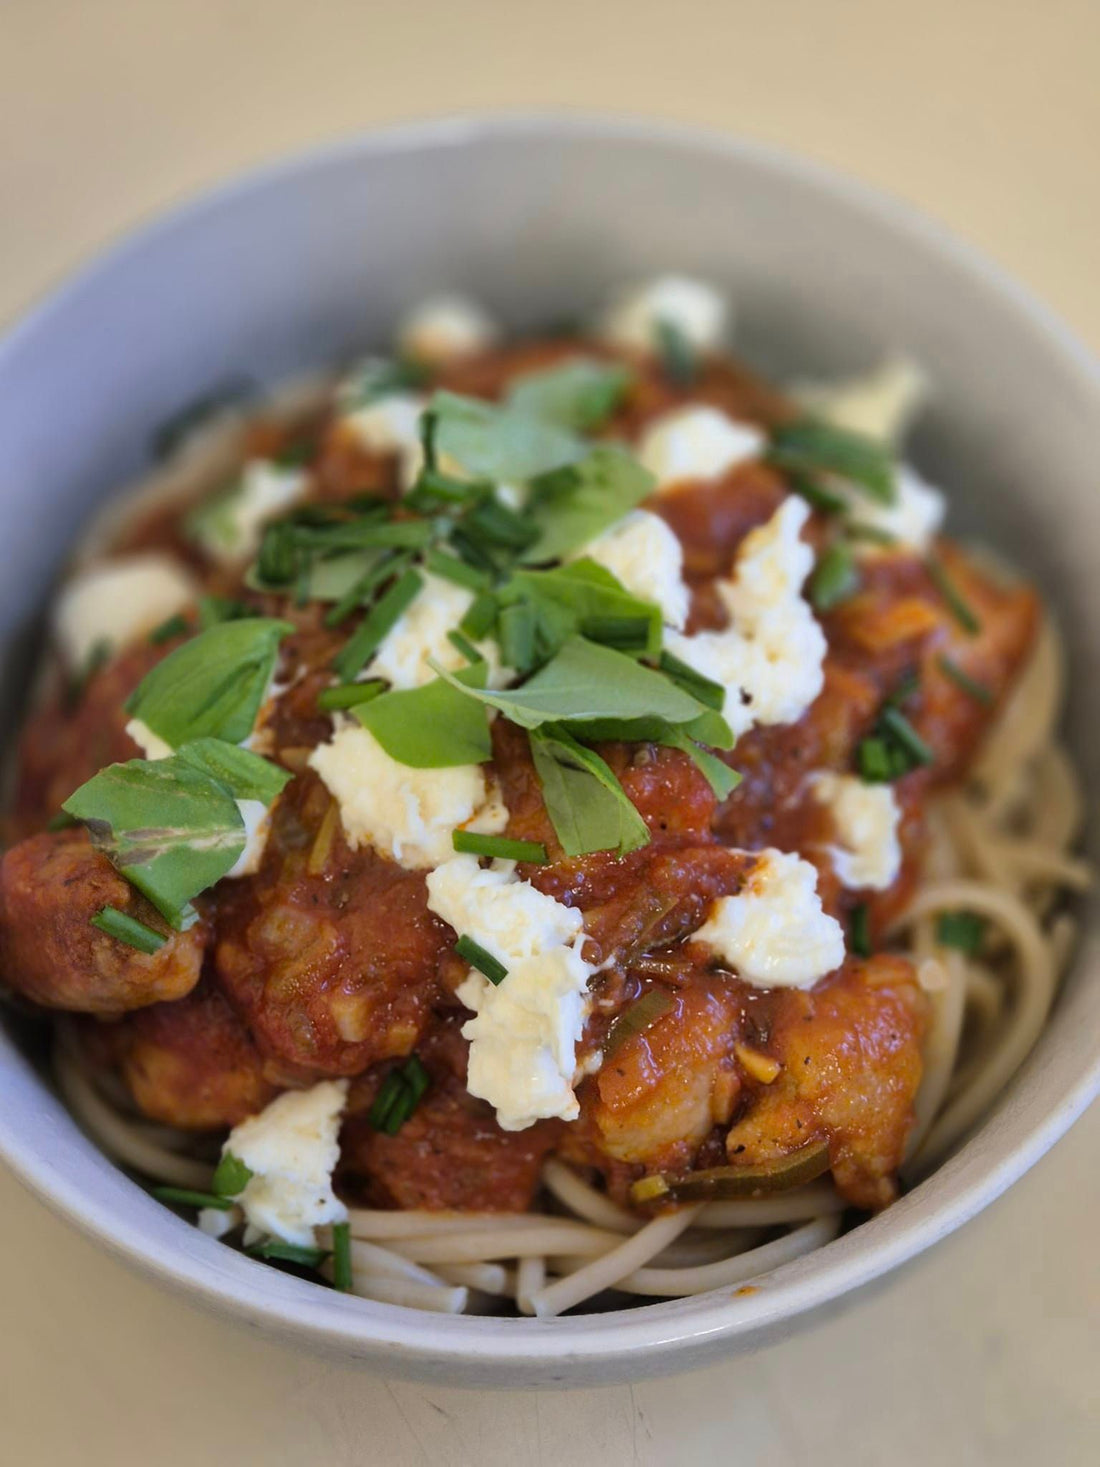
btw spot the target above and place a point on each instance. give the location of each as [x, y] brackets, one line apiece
[329, 963]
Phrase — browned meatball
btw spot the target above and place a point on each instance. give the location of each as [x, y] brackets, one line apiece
[189, 1064]
[51, 886]
[450, 1154]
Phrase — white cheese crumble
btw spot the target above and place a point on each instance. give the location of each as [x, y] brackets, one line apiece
[116, 601]
[913, 520]
[881, 403]
[769, 658]
[865, 820]
[696, 442]
[420, 633]
[645, 556]
[698, 311]
[292, 1148]
[774, 934]
[231, 527]
[525, 1030]
[407, 814]
[445, 327]
[391, 425]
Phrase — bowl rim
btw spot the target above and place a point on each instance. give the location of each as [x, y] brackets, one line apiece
[476, 1348]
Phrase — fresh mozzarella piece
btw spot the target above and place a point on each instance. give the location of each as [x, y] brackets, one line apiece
[524, 1036]
[445, 327]
[114, 602]
[646, 558]
[912, 521]
[769, 658]
[391, 425]
[231, 527]
[865, 819]
[774, 933]
[292, 1148]
[881, 403]
[696, 442]
[151, 744]
[421, 632]
[407, 814]
[697, 311]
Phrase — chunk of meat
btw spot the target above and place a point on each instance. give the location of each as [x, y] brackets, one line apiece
[189, 1064]
[51, 886]
[450, 1154]
[850, 1052]
[330, 956]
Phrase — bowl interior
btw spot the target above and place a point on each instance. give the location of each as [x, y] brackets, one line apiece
[309, 262]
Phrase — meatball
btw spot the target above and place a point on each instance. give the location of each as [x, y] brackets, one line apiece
[51, 886]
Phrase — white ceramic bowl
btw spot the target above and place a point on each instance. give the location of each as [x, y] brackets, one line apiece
[310, 260]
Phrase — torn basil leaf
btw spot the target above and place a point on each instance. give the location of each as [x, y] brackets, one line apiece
[722, 779]
[431, 727]
[587, 805]
[499, 443]
[581, 598]
[574, 504]
[245, 775]
[213, 685]
[169, 828]
[580, 394]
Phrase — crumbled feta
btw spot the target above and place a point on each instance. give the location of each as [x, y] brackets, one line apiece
[881, 403]
[420, 633]
[865, 820]
[699, 312]
[445, 327]
[774, 934]
[391, 425]
[230, 527]
[769, 658]
[644, 555]
[292, 1148]
[116, 601]
[696, 442]
[407, 814]
[912, 521]
[525, 1030]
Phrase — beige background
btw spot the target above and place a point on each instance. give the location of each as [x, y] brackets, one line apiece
[987, 113]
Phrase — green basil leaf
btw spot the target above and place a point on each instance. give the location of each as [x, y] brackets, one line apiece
[808, 446]
[499, 443]
[432, 727]
[334, 577]
[171, 830]
[574, 504]
[581, 394]
[587, 805]
[579, 598]
[245, 775]
[586, 681]
[722, 779]
[213, 685]
[709, 728]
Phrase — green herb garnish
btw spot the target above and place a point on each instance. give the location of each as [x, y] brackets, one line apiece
[128, 930]
[174, 626]
[587, 806]
[957, 604]
[679, 359]
[273, 1250]
[499, 847]
[964, 931]
[341, 1257]
[473, 953]
[349, 695]
[377, 624]
[973, 689]
[435, 726]
[810, 447]
[859, 931]
[573, 505]
[500, 444]
[187, 1197]
[231, 1176]
[835, 577]
[398, 1096]
[581, 395]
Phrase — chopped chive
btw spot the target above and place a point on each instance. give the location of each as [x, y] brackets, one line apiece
[231, 1175]
[496, 524]
[627, 633]
[341, 1257]
[903, 732]
[378, 622]
[398, 1096]
[277, 562]
[473, 953]
[391, 564]
[810, 446]
[294, 455]
[434, 490]
[905, 689]
[814, 494]
[961, 930]
[479, 620]
[875, 764]
[834, 579]
[957, 604]
[465, 647]
[174, 626]
[873, 534]
[453, 569]
[473, 552]
[976, 690]
[348, 695]
[128, 930]
[98, 657]
[185, 1197]
[272, 1250]
[679, 360]
[703, 689]
[499, 846]
[388, 1094]
[859, 931]
[516, 632]
[416, 1079]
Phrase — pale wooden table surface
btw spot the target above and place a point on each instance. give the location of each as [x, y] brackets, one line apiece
[987, 113]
